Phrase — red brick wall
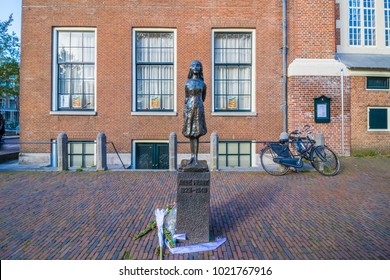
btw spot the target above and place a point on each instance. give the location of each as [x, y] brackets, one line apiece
[311, 29]
[362, 139]
[114, 20]
[303, 90]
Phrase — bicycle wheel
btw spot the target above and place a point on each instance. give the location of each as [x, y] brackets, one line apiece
[271, 167]
[325, 161]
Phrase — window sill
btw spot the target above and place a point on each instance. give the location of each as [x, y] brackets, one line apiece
[234, 114]
[73, 113]
[378, 89]
[154, 113]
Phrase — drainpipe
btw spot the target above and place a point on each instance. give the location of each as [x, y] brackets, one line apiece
[342, 109]
[284, 52]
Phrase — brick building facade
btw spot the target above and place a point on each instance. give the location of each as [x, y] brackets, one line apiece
[120, 67]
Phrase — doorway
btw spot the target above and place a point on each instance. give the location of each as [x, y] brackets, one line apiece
[152, 156]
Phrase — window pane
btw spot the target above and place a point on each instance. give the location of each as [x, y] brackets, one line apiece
[76, 55]
[64, 55]
[222, 161]
[245, 148]
[88, 55]
[244, 102]
[89, 86]
[76, 160]
[89, 101]
[245, 161]
[64, 101]
[77, 72]
[232, 161]
[89, 71]
[76, 148]
[64, 71]
[233, 148]
[142, 102]
[89, 160]
[63, 39]
[222, 148]
[64, 86]
[89, 148]
[89, 39]
[77, 86]
[167, 102]
[378, 118]
[76, 39]
[220, 102]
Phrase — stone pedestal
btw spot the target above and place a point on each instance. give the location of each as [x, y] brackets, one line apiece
[193, 206]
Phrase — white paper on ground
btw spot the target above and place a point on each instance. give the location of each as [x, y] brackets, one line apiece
[196, 247]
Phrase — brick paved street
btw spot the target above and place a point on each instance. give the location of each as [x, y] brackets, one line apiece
[94, 215]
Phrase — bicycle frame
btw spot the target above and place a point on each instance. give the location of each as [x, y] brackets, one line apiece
[278, 157]
[304, 148]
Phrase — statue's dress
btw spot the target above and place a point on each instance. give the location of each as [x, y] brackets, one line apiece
[194, 118]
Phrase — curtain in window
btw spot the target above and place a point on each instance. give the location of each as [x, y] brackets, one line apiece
[155, 57]
[233, 66]
[76, 69]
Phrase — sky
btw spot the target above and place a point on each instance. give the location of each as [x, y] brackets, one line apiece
[14, 7]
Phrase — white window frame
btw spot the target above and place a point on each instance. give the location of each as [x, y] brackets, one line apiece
[378, 89]
[361, 11]
[134, 74]
[343, 25]
[387, 21]
[368, 118]
[54, 106]
[252, 111]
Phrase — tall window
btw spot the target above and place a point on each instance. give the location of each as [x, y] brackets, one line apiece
[75, 69]
[362, 30]
[233, 53]
[154, 68]
[387, 23]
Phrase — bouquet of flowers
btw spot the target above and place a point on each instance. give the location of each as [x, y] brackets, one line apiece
[168, 228]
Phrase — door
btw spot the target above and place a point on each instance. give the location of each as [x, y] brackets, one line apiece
[152, 156]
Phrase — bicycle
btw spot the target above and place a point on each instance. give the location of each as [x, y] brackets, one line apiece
[277, 158]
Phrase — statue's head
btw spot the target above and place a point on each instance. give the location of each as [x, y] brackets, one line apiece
[196, 68]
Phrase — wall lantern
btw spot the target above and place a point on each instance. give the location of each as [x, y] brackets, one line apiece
[322, 109]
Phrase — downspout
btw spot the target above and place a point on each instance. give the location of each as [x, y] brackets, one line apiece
[342, 109]
[284, 52]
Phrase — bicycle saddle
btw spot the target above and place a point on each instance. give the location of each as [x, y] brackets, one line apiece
[296, 132]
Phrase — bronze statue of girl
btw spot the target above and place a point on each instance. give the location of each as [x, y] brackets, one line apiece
[194, 117]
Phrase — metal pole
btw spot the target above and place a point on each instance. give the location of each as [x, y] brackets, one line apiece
[284, 50]
[342, 111]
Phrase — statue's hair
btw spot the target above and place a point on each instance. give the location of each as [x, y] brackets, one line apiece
[201, 70]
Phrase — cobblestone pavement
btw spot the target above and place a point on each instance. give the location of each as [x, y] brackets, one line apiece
[94, 215]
